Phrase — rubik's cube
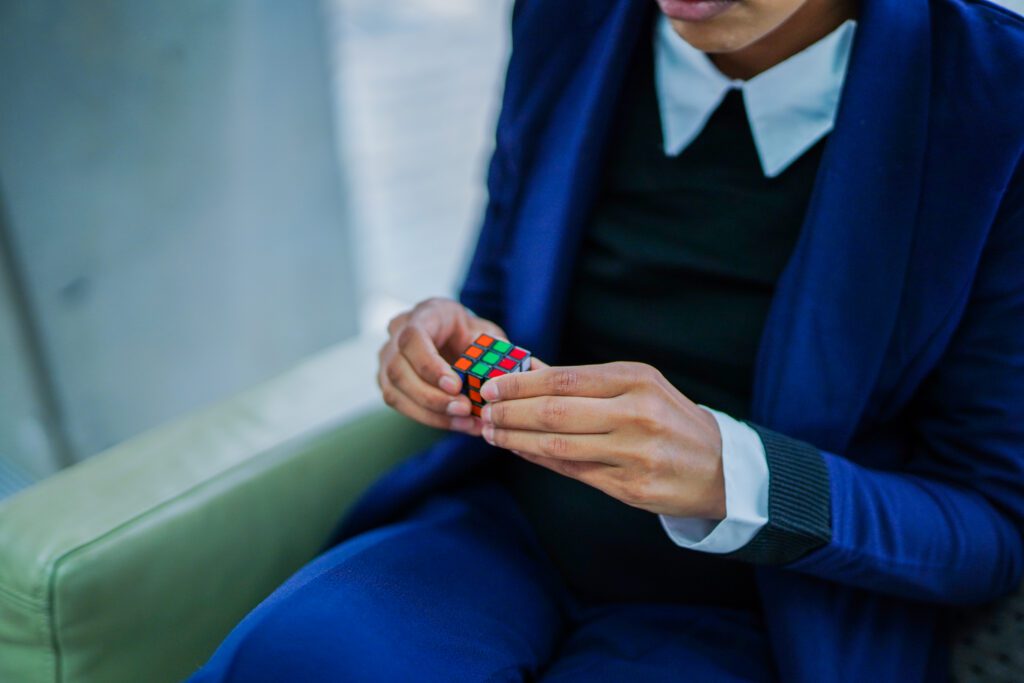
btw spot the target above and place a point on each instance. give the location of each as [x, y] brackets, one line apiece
[485, 358]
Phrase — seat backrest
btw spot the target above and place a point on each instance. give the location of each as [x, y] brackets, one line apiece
[989, 645]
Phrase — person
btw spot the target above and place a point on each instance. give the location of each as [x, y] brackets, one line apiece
[771, 254]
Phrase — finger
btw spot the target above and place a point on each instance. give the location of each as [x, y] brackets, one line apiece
[537, 363]
[400, 375]
[403, 404]
[588, 472]
[384, 356]
[578, 447]
[560, 414]
[422, 355]
[467, 333]
[397, 323]
[597, 381]
[439, 318]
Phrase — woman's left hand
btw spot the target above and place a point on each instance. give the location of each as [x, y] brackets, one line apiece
[619, 427]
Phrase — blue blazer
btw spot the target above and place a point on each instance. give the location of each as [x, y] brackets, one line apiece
[895, 339]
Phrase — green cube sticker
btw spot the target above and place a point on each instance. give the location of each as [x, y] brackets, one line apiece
[501, 346]
[491, 357]
[480, 369]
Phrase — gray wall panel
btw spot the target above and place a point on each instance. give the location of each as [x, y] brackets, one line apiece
[174, 197]
[24, 436]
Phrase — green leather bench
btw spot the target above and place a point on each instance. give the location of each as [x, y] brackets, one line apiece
[133, 565]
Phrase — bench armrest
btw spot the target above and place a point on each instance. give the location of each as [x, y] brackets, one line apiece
[134, 564]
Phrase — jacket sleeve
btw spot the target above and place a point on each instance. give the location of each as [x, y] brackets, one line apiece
[947, 527]
[483, 289]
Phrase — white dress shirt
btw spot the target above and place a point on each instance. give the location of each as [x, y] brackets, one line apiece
[790, 107]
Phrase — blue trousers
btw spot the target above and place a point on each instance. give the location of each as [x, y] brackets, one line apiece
[461, 591]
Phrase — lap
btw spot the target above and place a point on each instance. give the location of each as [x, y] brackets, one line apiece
[662, 642]
[455, 592]
[461, 591]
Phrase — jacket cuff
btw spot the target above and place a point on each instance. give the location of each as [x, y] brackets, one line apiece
[799, 502]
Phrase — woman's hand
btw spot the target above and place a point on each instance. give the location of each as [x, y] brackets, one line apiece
[620, 427]
[415, 376]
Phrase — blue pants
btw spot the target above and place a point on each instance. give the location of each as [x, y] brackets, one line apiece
[461, 591]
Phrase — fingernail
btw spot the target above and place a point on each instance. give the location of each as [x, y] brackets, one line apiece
[457, 408]
[449, 384]
[489, 433]
[485, 413]
[462, 424]
[489, 392]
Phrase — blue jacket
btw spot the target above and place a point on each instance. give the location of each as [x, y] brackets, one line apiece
[895, 339]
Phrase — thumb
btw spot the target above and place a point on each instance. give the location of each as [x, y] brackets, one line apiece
[472, 328]
[537, 364]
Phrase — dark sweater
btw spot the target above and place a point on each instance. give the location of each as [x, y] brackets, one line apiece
[676, 269]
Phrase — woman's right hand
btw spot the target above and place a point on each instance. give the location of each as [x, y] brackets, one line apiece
[415, 375]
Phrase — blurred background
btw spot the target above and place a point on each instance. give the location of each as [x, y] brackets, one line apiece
[196, 195]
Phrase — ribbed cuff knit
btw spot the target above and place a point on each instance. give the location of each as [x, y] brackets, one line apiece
[799, 502]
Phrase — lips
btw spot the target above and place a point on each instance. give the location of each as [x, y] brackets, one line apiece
[695, 10]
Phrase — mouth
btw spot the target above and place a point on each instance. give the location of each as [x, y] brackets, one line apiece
[695, 10]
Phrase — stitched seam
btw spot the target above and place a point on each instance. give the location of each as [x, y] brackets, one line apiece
[55, 565]
[47, 658]
[23, 600]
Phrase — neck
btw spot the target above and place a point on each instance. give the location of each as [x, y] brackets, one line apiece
[813, 21]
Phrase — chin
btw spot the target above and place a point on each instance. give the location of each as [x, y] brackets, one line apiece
[713, 37]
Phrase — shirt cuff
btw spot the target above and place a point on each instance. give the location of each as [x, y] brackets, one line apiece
[745, 469]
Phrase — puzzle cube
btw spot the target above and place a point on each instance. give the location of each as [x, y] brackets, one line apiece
[485, 358]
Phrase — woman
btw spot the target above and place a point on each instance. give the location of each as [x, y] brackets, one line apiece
[774, 253]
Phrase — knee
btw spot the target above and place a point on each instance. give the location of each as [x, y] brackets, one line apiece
[310, 636]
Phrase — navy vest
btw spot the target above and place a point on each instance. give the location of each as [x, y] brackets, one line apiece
[676, 269]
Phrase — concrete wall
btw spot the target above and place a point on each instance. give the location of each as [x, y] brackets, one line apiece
[174, 199]
[25, 438]
[1016, 5]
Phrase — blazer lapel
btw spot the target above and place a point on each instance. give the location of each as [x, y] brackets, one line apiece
[836, 303]
[563, 178]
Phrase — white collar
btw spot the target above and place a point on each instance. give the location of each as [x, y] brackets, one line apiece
[790, 106]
